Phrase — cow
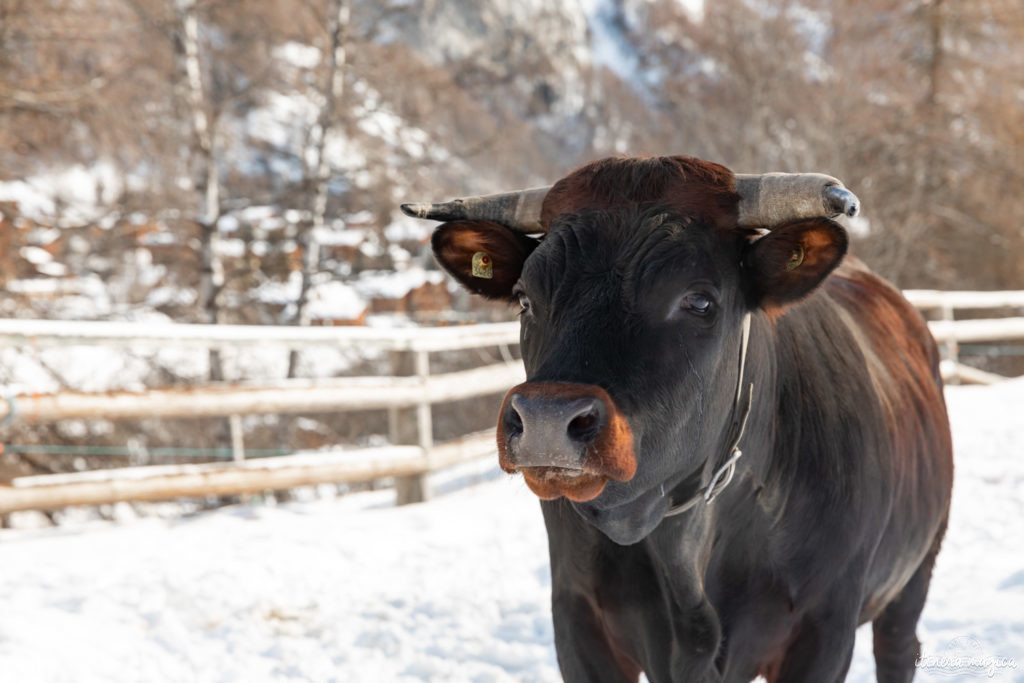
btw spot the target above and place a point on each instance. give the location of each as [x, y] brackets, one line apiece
[737, 431]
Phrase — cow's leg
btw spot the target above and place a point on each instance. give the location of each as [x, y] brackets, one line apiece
[585, 652]
[823, 644]
[895, 629]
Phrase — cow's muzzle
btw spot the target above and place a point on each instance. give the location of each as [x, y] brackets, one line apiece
[567, 439]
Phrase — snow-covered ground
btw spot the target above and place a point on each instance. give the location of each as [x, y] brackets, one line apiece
[354, 589]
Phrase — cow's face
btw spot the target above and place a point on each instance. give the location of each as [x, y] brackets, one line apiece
[630, 336]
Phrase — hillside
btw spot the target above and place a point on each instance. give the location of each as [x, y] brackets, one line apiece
[263, 107]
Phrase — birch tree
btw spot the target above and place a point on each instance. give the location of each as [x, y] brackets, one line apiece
[319, 171]
[204, 166]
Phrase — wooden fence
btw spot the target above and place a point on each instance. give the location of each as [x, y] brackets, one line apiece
[949, 332]
[407, 395]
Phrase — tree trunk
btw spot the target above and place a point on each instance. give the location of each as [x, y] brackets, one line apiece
[332, 90]
[203, 160]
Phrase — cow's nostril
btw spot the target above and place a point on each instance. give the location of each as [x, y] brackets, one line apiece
[583, 428]
[513, 422]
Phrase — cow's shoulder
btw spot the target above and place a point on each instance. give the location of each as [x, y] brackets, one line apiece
[885, 324]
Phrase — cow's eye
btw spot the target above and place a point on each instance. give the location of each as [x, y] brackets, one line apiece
[524, 302]
[696, 303]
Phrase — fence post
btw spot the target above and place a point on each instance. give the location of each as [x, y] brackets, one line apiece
[424, 418]
[411, 426]
[950, 348]
[237, 438]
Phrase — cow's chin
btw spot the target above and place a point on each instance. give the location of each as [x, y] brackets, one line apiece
[549, 483]
[626, 523]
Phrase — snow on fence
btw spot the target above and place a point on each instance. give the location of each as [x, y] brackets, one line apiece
[408, 397]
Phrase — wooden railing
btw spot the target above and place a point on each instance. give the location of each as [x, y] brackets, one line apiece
[950, 332]
[408, 396]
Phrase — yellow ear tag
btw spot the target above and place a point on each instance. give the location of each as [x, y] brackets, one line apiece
[795, 259]
[482, 265]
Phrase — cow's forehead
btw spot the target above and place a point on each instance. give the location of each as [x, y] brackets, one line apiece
[632, 246]
[688, 185]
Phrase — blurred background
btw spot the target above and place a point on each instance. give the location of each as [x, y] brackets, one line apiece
[242, 161]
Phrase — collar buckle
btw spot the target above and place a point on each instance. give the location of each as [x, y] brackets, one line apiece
[721, 478]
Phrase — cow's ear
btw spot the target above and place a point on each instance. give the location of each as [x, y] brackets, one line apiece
[485, 257]
[790, 261]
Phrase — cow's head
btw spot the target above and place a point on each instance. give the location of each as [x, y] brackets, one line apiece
[631, 304]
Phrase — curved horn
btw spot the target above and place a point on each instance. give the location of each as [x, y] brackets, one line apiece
[768, 199]
[518, 210]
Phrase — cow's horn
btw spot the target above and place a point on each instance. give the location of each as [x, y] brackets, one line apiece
[769, 199]
[517, 210]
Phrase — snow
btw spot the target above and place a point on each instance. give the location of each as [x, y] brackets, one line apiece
[160, 237]
[332, 237]
[231, 248]
[335, 300]
[694, 10]
[227, 223]
[406, 229]
[394, 131]
[42, 236]
[68, 298]
[35, 255]
[609, 46]
[331, 300]
[171, 296]
[298, 54]
[395, 284]
[77, 194]
[283, 119]
[280, 293]
[352, 588]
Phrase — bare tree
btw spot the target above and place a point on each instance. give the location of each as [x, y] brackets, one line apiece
[204, 162]
[331, 92]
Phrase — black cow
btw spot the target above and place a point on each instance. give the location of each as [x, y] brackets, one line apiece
[738, 432]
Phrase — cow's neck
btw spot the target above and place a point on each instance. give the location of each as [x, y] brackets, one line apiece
[724, 467]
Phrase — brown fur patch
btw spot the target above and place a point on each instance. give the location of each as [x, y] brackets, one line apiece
[905, 374]
[692, 187]
[776, 281]
[455, 243]
[548, 483]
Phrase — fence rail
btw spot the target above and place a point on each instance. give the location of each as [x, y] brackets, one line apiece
[162, 482]
[977, 330]
[295, 396]
[408, 396]
[48, 333]
[926, 299]
[950, 333]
